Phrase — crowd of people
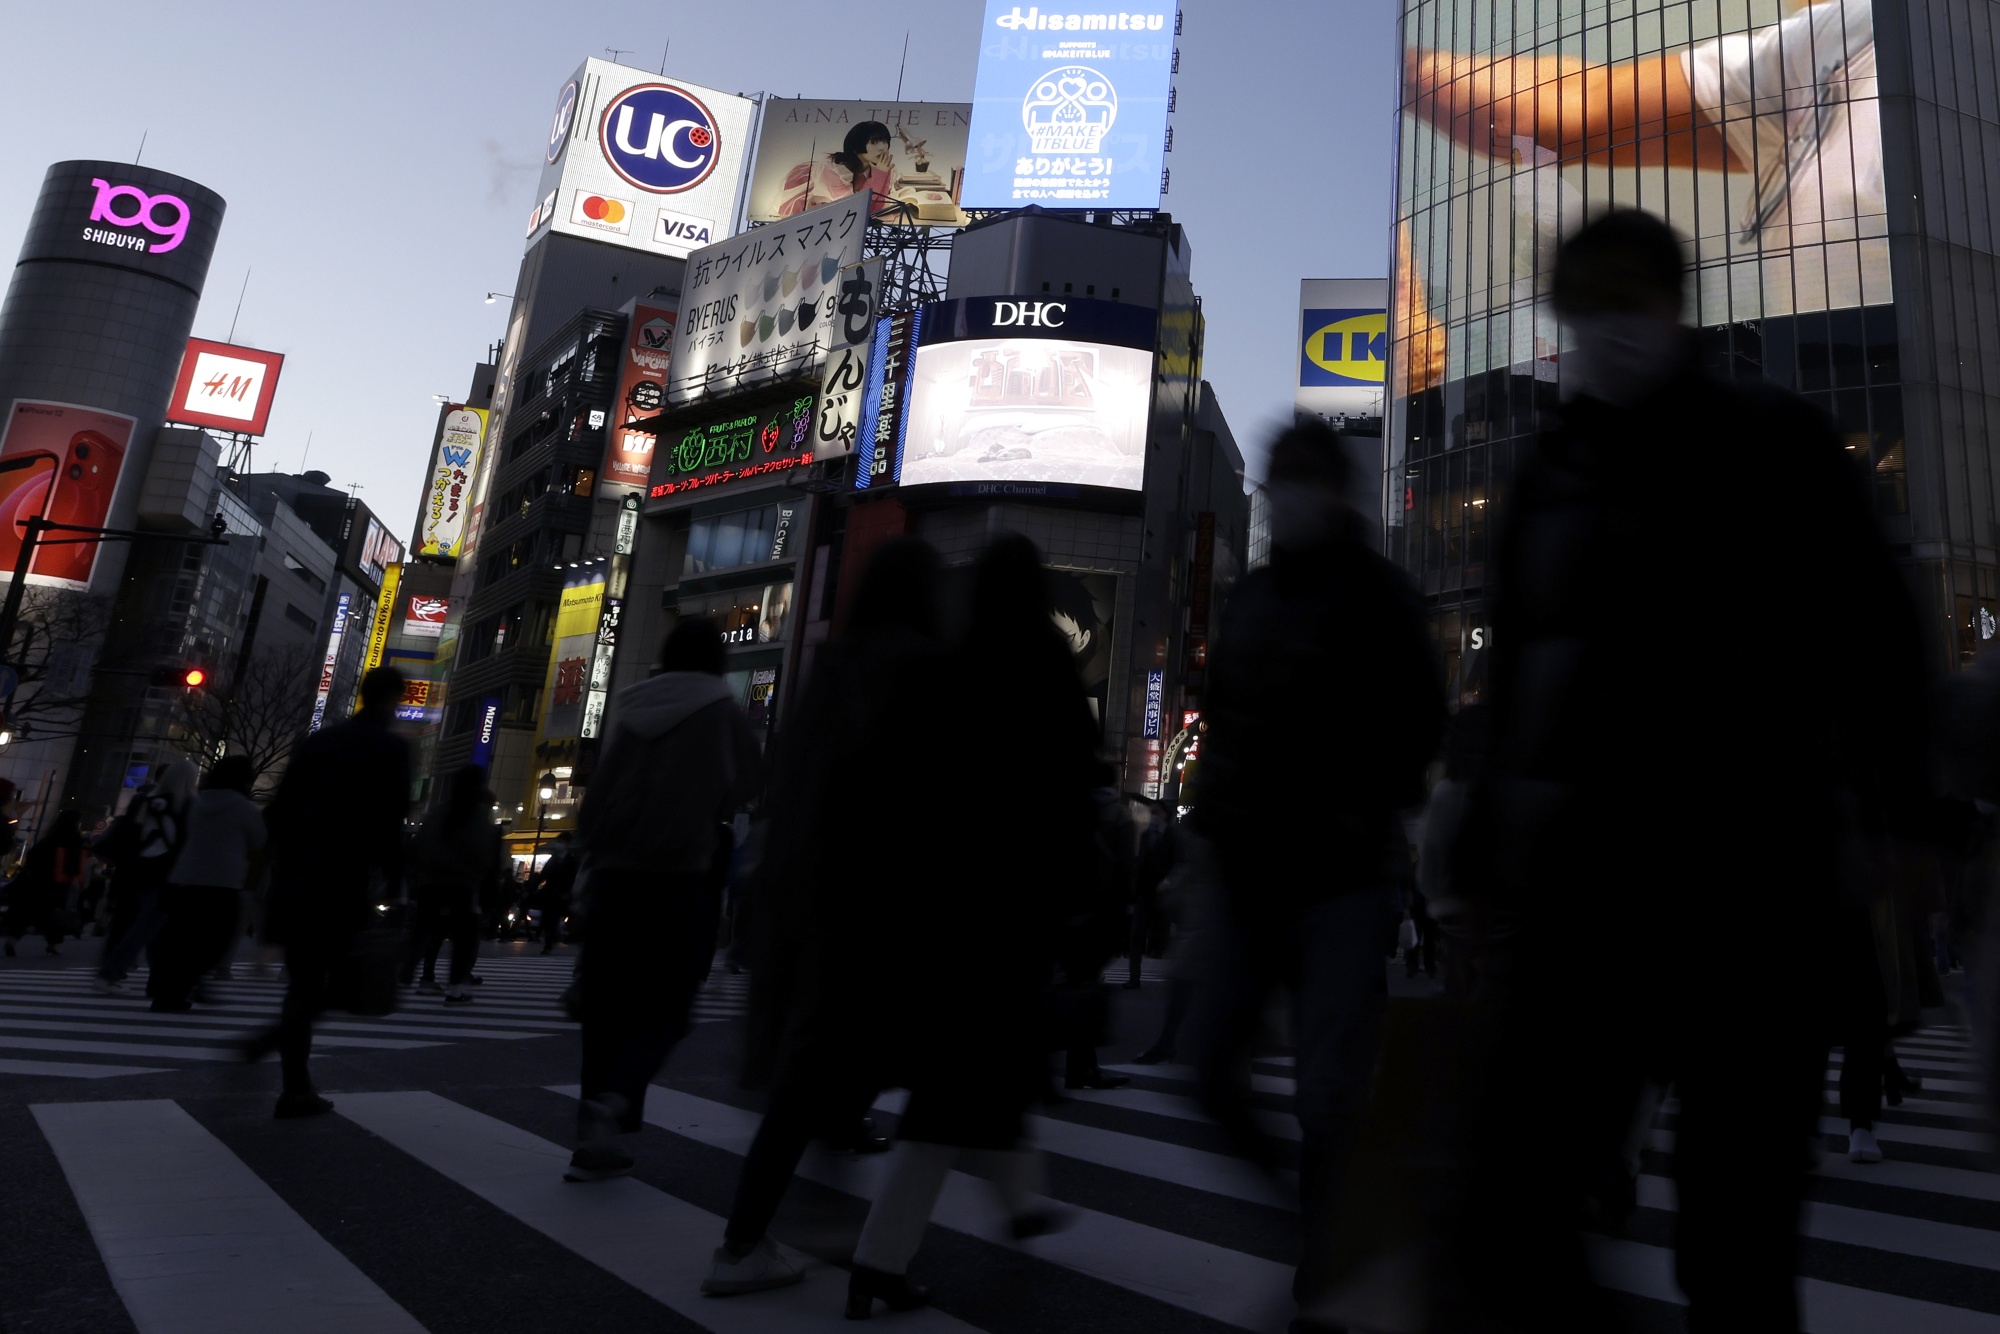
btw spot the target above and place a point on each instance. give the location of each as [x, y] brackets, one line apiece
[1694, 860]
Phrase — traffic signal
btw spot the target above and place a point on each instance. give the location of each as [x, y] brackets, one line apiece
[187, 675]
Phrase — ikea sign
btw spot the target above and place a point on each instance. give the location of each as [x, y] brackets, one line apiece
[1344, 348]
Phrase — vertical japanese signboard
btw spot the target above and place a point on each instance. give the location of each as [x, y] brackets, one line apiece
[385, 614]
[441, 529]
[879, 442]
[642, 392]
[568, 680]
[331, 664]
[843, 391]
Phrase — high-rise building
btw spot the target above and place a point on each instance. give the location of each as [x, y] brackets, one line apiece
[1832, 166]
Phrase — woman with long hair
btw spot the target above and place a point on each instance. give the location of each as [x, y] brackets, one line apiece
[984, 938]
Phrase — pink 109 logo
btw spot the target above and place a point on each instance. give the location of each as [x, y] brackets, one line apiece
[144, 212]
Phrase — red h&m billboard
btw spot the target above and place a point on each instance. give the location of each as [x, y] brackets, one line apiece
[225, 387]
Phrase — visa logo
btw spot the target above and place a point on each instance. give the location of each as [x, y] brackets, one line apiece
[1345, 347]
[681, 229]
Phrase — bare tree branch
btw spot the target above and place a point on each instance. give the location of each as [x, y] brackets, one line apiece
[261, 714]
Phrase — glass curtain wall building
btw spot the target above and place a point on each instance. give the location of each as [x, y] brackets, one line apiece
[1835, 168]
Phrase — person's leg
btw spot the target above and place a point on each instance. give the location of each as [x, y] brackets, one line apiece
[1237, 976]
[307, 965]
[464, 946]
[902, 1208]
[789, 1121]
[180, 942]
[1338, 1009]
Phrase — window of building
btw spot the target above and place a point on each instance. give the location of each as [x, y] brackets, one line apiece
[759, 614]
[742, 537]
[301, 619]
[298, 567]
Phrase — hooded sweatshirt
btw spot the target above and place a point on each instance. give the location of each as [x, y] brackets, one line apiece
[681, 761]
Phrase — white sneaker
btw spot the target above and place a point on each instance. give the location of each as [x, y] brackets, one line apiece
[760, 1271]
[106, 987]
[1861, 1146]
[458, 995]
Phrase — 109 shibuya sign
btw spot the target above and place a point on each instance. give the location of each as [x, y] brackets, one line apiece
[1070, 109]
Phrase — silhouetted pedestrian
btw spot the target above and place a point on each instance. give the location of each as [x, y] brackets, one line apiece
[336, 836]
[142, 845]
[457, 860]
[1310, 838]
[986, 933]
[654, 829]
[203, 897]
[552, 890]
[1663, 812]
[41, 895]
[830, 915]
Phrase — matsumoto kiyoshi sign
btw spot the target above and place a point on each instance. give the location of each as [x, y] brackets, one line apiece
[638, 160]
[1070, 108]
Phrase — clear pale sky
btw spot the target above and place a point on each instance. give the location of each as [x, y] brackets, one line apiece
[380, 162]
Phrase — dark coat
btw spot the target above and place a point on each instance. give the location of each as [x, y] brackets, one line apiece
[336, 827]
[1325, 705]
[1704, 661]
[456, 869]
[847, 854]
[1021, 866]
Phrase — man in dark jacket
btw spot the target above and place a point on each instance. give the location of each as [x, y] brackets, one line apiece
[1672, 774]
[654, 830]
[336, 842]
[1324, 707]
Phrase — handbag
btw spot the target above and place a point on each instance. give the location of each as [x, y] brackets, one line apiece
[365, 983]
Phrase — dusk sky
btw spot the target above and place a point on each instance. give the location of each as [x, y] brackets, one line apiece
[380, 160]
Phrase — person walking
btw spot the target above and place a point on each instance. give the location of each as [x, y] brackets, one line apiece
[986, 932]
[1666, 826]
[553, 890]
[1310, 841]
[826, 928]
[223, 856]
[681, 761]
[39, 897]
[142, 846]
[336, 839]
[458, 859]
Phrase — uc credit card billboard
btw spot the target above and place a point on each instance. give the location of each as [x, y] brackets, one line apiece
[638, 160]
[1069, 109]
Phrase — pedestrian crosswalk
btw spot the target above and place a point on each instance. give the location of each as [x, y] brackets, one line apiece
[1169, 1231]
[52, 1024]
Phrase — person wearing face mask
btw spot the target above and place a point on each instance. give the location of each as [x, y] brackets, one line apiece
[1666, 816]
[1325, 704]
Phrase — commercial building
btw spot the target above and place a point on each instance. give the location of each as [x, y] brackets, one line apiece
[1850, 256]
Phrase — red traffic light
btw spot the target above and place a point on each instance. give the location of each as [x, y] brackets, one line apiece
[194, 676]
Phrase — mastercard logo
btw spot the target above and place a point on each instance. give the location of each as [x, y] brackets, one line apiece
[599, 209]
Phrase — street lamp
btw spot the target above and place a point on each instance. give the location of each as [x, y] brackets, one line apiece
[491, 297]
[546, 792]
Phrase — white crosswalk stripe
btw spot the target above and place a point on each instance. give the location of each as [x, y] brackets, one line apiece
[133, 1167]
[52, 1024]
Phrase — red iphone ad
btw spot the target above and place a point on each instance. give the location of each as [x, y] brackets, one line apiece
[89, 447]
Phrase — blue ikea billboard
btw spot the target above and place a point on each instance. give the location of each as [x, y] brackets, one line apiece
[1069, 110]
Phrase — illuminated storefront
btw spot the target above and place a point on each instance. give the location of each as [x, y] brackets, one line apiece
[1834, 209]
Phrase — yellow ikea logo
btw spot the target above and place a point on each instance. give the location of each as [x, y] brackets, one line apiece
[1345, 347]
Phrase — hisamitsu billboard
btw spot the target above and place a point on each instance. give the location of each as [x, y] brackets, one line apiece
[1069, 110]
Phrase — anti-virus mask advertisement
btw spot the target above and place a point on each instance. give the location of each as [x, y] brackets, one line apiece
[639, 160]
[1070, 108]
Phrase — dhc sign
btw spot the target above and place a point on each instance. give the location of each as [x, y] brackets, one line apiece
[1029, 314]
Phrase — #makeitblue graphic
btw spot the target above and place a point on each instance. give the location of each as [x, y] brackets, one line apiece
[1070, 108]
[659, 138]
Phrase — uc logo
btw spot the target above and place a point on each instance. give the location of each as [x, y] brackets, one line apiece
[1345, 347]
[659, 138]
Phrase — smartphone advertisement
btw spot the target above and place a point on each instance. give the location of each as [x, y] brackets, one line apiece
[75, 486]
